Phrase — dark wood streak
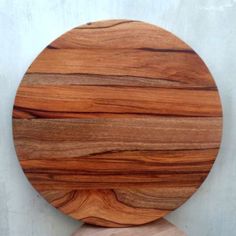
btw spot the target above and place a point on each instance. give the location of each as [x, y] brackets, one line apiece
[19, 112]
[167, 50]
[90, 25]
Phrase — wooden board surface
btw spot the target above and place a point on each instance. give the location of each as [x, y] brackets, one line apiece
[158, 228]
[117, 123]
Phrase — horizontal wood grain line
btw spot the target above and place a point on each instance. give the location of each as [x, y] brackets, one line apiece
[182, 66]
[119, 34]
[78, 137]
[108, 166]
[79, 173]
[126, 162]
[77, 168]
[55, 149]
[43, 181]
[119, 100]
[51, 185]
[34, 79]
[165, 170]
[111, 170]
[141, 157]
[168, 50]
[22, 113]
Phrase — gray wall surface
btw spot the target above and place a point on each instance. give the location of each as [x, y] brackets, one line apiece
[208, 26]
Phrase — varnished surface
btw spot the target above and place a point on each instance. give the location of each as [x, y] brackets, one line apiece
[117, 123]
[159, 228]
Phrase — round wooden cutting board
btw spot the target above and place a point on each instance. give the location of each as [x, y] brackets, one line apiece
[117, 123]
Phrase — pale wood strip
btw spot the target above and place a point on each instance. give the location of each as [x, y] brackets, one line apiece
[158, 228]
[112, 80]
[69, 138]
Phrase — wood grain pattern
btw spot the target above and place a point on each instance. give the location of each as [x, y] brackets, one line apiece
[117, 123]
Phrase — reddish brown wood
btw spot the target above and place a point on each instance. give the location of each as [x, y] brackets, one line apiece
[117, 123]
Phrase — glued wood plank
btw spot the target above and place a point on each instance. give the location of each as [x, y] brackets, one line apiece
[122, 62]
[109, 99]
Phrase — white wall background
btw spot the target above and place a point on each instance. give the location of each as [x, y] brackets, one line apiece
[27, 26]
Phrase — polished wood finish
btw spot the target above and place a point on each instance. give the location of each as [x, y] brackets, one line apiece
[117, 123]
[158, 228]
